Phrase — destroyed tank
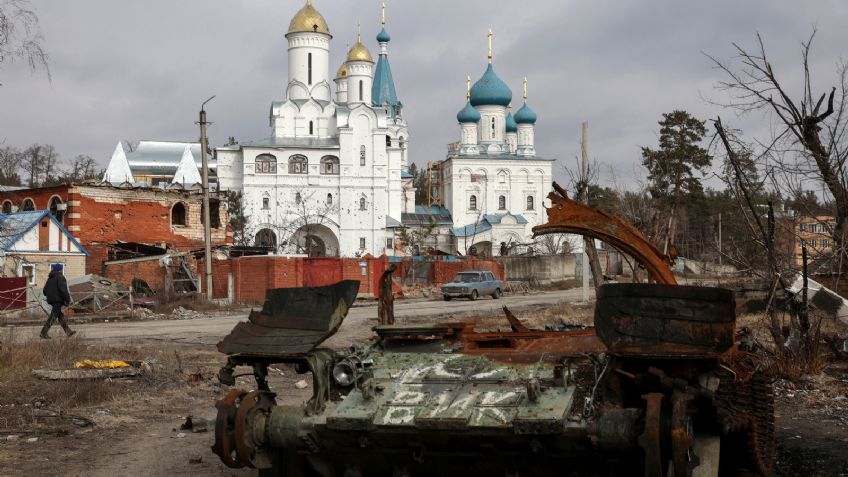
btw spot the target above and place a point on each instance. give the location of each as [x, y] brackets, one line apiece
[658, 387]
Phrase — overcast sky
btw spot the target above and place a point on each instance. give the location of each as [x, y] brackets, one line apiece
[139, 70]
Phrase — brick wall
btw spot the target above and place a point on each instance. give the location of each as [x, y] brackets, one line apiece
[147, 269]
[101, 215]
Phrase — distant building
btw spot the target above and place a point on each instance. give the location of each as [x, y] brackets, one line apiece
[817, 234]
[331, 179]
[32, 241]
[101, 216]
[157, 163]
[492, 181]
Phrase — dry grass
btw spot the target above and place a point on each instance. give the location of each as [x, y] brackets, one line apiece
[21, 393]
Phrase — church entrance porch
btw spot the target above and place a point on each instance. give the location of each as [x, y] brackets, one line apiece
[314, 240]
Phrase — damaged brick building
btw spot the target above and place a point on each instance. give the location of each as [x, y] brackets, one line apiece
[116, 223]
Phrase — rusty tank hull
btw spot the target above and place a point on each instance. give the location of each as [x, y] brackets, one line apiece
[447, 398]
[658, 387]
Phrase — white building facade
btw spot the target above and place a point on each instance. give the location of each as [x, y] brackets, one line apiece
[331, 179]
[492, 181]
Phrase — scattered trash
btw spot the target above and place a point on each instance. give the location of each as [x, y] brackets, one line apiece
[12, 437]
[197, 424]
[103, 412]
[32, 439]
[89, 373]
[301, 384]
[197, 459]
[102, 364]
[81, 422]
[181, 435]
[194, 378]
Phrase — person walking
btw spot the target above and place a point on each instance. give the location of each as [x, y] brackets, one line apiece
[57, 295]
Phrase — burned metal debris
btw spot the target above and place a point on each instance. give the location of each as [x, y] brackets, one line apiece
[658, 387]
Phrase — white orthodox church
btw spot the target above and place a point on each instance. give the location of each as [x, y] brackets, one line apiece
[332, 179]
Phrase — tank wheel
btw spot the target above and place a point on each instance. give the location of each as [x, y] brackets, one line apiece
[746, 411]
[497, 293]
[447, 297]
[225, 445]
[473, 295]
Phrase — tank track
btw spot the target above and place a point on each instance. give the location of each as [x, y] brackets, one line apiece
[745, 404]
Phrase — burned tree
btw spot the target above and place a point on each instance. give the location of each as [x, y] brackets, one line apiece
[810, 141]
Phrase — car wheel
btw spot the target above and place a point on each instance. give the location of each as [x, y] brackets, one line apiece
[497, 293]
[447, 298]
[473, 295]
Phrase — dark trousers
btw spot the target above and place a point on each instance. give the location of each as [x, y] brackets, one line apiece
[56, 314]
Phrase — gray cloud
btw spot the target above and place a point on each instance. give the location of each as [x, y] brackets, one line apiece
[139, 70]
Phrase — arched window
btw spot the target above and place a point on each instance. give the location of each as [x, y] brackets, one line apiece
[266, 203]
[362, 203]
[530, 203]
[309, 67]
[178, 214]
[493, 128]
[311, 129]
[266, 238]
[28, 205]
[362, 155]
[57, 208]
[472, 202]
[297, 164]
[360, 90]
[329, 199]
[266, 164]
[214, 213]
[388, 141]
[330, 165]
[502, 202]
[7, 206]
[297, 198]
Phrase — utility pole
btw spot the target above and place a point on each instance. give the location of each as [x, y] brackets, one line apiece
[207, 227]
[719, 239]
[590, 254]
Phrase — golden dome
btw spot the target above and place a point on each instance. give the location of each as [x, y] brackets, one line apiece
[358, 52]
[308, 20]
[342, 72]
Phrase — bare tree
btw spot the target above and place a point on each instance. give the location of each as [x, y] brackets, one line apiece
[303, 220]
[32, 162]
[810, 140]
[10, 163]
[20, 36]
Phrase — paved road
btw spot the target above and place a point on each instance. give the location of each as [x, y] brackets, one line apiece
[357, 325]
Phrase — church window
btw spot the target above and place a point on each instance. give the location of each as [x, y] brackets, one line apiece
[28, 205]
[309, 67]
[266, 164]
[502, 202]
[362, 155]
[266, 203]
[57, 208]
[362, 203]
[178, 214]
[472, 202]
[390, 243]
[362, 243]
[530, 203]
[388, 141]
[493, 128]
[311, 128]
[330, 165]
[329, 199]
[297, 198]
[360, 90]
[297, 164]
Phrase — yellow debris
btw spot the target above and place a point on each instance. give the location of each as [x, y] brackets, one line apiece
[103, 364]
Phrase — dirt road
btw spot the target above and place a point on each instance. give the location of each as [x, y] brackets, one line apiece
[357, 325]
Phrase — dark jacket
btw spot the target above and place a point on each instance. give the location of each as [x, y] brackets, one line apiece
[56, 289]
